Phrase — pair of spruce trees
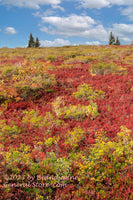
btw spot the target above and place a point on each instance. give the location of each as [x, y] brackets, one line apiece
[33, 43]
[112, 40]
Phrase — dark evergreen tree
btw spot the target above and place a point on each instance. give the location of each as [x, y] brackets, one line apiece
[31, 42]
[117, 41]
[111, 39]
[37, 43]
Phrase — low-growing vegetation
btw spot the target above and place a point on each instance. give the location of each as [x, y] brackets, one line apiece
[66, 118]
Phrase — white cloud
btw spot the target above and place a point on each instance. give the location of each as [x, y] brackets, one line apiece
[123, 28]
[68, 25]
[97, 33]
[34, 4]
[36, 14]
[126, 39]
[94, 4]
[48, 12]
[10, 30]
[93, 43]
[128, 12]
[50, 30]
[98, 4]
[120, 2]
[74, 26]
[72, 22]
[55, 6]
[56, 43]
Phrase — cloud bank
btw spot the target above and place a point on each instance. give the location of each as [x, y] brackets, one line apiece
[33, 4]
[56, 43]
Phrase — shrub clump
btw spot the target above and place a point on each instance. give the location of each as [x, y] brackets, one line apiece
[78, 112]
[25, 81]
[86, 92]
[74, 137]
[103, 68]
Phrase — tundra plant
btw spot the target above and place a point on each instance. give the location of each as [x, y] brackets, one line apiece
[78, 112]
[85, 91]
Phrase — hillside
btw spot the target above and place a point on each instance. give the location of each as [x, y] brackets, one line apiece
[66, 123]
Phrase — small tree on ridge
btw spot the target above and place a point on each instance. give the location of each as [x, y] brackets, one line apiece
[111, 39]
[37, 43]
[31, 42]
[117, 41]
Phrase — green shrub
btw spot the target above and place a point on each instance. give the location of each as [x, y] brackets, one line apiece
[7, 72]
[51, 58]
[75, 136]
[25, 82]
[77, 112]
[85, 91]
[11, 130]
[104, 68]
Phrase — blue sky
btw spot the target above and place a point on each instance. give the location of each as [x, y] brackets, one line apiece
[65, 22]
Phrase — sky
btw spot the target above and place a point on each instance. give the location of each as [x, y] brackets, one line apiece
[65, 22]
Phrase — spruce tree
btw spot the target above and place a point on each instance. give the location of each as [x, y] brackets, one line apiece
[37, 43]
[31, 42]
[111, 39]
[117, 41]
